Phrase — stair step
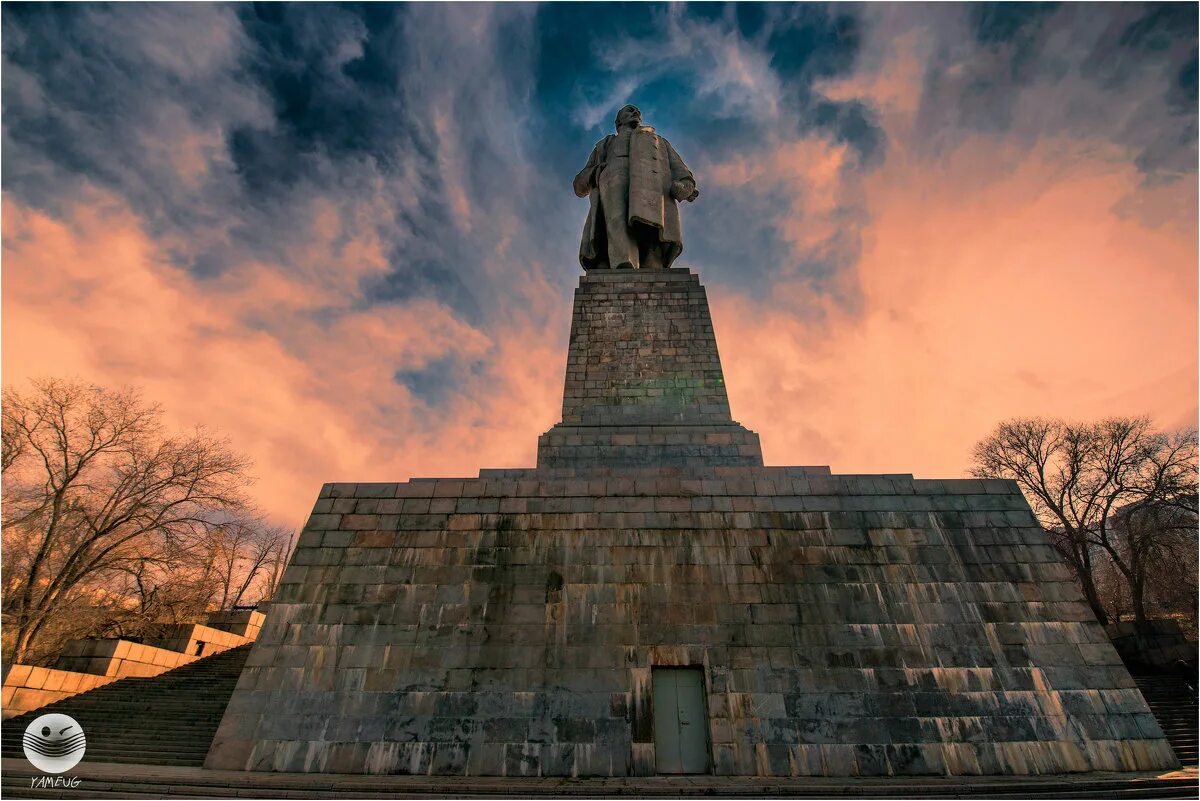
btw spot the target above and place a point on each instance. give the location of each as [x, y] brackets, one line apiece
[1173, 703]
[191, 783]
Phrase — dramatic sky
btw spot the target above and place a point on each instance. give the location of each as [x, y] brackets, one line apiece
[344, 235]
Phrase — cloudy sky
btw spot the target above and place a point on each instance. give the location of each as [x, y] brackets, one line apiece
[345, 236]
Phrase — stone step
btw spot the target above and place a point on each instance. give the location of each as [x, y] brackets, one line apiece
[107, 719]
[98, 743]
[180, 760]
[159, 697]
[162, 743]
[123, 781]
[238, 792]
[165, 711]
[138, 751]
[143, 747]
[104, 738]
[1174, 704]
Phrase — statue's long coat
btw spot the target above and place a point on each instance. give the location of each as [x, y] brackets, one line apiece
[653, 167]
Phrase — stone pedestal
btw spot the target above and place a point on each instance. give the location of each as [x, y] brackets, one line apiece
[510, 624]
[644, 384]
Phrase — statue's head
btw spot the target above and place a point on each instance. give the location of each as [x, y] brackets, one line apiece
[628, 115]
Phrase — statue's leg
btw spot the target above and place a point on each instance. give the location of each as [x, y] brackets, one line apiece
[600, 240]
[614, 200]
[652, 254]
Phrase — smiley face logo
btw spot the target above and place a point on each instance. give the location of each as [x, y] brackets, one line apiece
[54, 743]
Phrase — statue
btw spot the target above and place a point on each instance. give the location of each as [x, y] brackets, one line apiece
[634, 180]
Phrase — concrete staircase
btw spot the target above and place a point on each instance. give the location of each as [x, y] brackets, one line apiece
[1173, 701]
[169, 719]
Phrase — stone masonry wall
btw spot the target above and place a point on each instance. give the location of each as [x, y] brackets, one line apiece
[242, 622]
[28, 687]
[644, 385]
[120, 658]
[583, 448]
[642, 349]
[869, 625]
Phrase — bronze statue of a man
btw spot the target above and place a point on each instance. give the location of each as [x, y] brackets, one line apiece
[634, 179]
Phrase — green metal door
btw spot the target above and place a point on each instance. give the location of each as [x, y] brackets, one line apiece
[680, 725]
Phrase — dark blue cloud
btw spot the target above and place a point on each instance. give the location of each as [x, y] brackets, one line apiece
[993, 23]
[1118, 72]
[424, 279]
[813, 41]
[852, 123]
[1161, 27]
[434, 383]
[1181, 94]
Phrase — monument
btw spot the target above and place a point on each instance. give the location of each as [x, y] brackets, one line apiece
[652, 599]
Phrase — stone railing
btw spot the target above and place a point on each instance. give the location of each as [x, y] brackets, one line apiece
[28, 687]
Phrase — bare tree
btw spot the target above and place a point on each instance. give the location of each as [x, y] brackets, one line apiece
[1152, 544]
[1112, 588]
[1174, 588]
[142, 594]
[242, 554]
[279, 562]
[95, 488]
[1078, 477]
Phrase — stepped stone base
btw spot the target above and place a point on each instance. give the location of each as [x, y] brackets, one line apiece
[84, 665]
[118, 658]
[196, 639]
[242, 622]
[648, 446]
[644, 385]
[846, 625]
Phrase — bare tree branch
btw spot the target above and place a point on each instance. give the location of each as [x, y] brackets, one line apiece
[98, 500]
[1101, 490]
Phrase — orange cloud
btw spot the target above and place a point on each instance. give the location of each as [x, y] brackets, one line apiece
[995, 282]
[91, 296]
[1023, 272]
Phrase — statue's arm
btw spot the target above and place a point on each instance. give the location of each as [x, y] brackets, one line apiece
[683, 183]
[586, 179]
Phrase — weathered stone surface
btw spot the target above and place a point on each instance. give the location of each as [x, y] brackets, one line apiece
[644, 385]
[846, 624]
[27, 687]
[509, 624]
[642, 350]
